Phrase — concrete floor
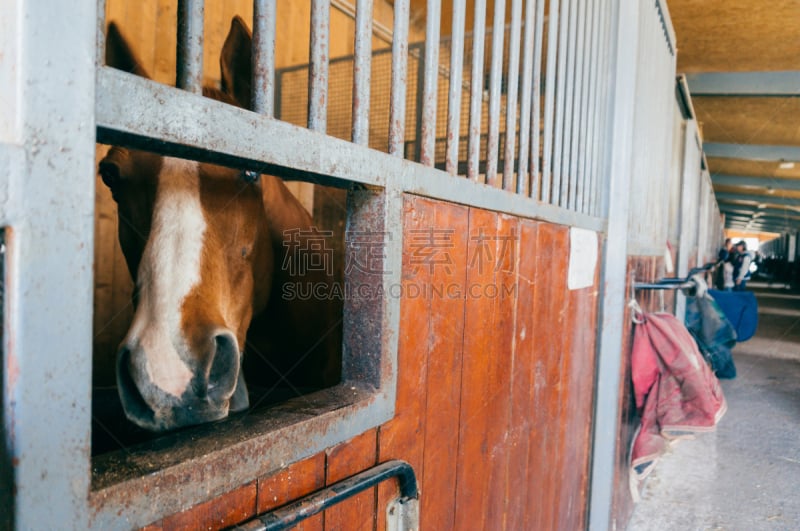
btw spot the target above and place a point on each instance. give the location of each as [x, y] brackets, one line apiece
[746, 475]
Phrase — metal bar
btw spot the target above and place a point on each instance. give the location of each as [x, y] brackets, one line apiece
[101, 33]
[536, 108]
[306, 507]
[752, 151]
[619, 130]
[318, 66]
[593, 107]
[580, 117]
[397, 110]
[600, 186]
[264, 17]
[785, 83]
[690, 284]
[419, 107]
[45, 380]
[549, 101]
[362, 67]
[523, 173]
[569, 106]
[456, 88]
[562, 85]
[379, 30]
[513, 88]
[476, 91]
[429, 87]
[189, 61]
[495, 88]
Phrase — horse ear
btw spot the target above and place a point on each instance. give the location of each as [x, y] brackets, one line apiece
[119, 54]
[235, 64]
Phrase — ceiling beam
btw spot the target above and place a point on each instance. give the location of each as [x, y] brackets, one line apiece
[760, 199]
[785, 83]
[752, 151]
[761, 182]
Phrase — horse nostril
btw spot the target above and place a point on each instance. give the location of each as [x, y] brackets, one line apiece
[224, 369]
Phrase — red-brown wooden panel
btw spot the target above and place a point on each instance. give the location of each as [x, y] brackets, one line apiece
[445, 344]
[519, 479]
[550, 310]
[577, 418]
[226, 510]
[295, 481]
[345, 460]
[402, 436]
[500, 364]
[474, 451]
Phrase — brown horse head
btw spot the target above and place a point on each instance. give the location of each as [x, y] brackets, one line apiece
[202, 250]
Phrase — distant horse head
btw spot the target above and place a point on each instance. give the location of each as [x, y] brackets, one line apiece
[203, 246]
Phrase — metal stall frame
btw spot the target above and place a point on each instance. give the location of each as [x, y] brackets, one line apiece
[48, 205]
[625, 38]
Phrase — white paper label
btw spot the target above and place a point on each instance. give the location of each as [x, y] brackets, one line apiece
[582, 258]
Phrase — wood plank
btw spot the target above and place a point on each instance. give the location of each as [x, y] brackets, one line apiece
[506, 239]
[550, 302]
[446, 342]
[294, 482]
[522, 381]
[221, 512]
[473, 469]
[561, 364]
[402, 437]
[344, 460]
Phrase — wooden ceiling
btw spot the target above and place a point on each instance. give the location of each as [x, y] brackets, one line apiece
[743, 61]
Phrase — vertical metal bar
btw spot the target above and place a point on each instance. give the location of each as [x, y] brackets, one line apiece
[362, 66]
[264, 16]
[476, 91]
[513, 88]
[456, 88]
[429, 87]
[577, 153]
[569, 106]
[397, 111]
[536, 108]
[619, 132]
[47, 357]
[419, 55]
[101, 33]
[495, 89]
[593, 107]
[601, 181]
[549, 101]
[523, 175]
[189, 62]
[318, 71]
[561, 88]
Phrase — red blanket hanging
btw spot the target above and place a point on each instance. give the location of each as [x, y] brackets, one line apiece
[675, 389]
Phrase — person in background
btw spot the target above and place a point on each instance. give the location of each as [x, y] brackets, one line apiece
[725, 251]
[723, 260]
[727, 272]
[741, 266]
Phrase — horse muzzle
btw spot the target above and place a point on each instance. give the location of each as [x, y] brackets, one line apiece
[211, 394]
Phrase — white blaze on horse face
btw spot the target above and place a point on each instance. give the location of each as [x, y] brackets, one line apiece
[169, 269]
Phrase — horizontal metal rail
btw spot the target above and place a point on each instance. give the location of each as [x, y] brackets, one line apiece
[139, 113]
[294, 513]
[677, 282]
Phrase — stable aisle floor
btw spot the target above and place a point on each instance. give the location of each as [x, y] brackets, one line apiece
[746, 475]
